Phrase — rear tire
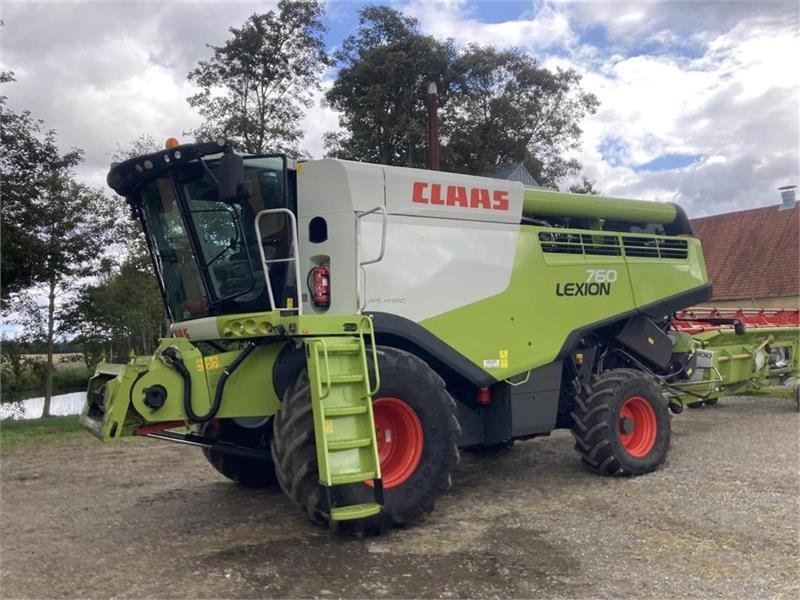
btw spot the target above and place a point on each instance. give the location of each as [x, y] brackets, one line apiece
[249, 472]
[621, 424]
[407, 383]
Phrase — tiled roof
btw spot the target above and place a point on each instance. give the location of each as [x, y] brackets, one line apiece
[752, 253]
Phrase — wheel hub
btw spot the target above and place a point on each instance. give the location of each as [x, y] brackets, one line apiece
[398, 432]
[637, 426]
[626, 425]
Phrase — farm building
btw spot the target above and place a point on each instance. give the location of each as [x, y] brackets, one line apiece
[753, 256]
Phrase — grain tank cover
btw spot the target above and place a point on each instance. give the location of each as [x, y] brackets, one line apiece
[548, 203]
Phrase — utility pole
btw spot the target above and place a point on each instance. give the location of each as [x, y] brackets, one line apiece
[433, 127]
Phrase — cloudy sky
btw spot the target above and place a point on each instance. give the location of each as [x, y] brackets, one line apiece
[699, 100]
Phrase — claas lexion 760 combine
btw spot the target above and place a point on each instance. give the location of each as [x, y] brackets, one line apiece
[342, 329]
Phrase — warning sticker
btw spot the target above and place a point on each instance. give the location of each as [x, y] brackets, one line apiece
[503, 359]
[491, 363]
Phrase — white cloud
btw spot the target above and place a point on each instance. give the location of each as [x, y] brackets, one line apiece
[714, 79]
[546, 28]
[708, 79]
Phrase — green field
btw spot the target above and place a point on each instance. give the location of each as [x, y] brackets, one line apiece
[38, 430]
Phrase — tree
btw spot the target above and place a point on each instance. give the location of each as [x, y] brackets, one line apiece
[381, 86]
[586, 186]
[120, 313]
[127, 229]
[506, 108]
[497, 107]
[75, 226]
[27, 163]
[121, 310]
[254, 88]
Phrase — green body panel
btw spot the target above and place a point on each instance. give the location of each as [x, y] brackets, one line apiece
[526, 325]
[116, 420]
[740, 365]
[249, 391]
[272, 324]
[548, 203]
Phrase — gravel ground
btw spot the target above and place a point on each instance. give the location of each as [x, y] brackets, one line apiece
[144, 518]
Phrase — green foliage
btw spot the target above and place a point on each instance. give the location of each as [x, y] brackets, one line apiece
[255, 86]
[505, 108]
[497, 107]
[381, 86]
[587, 186]
[127, 229]
[117, 315]
[31, 165]
[24, 376]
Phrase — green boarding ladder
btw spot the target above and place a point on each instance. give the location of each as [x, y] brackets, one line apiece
[341, 400]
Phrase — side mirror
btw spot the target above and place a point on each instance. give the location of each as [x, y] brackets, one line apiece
[231, 176]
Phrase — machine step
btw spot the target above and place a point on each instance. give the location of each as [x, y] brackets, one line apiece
[355, 511]
[341, 402]
[345, 411]
[349, 444]
[346, 378]
[347, 478]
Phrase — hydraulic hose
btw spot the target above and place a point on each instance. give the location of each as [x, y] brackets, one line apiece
[172, 357]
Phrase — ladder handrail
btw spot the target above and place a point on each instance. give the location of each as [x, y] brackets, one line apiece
[294, 258]
[327, 381]
[371, 329]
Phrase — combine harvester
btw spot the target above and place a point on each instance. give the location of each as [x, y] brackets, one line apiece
[343, 329]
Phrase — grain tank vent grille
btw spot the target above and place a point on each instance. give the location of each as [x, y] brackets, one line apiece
[580, 243]
[599, 244]
[655, 247]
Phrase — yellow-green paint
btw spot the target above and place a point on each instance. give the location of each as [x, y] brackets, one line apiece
[531, 323]
[249, 391]
[341, 401]
[273, 324]
[549, 203]
[740, 363]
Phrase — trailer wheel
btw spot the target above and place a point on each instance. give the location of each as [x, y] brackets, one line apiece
[621, 424]
[249, 472]
[418, 456]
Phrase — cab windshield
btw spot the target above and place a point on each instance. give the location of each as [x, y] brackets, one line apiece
[206, 251]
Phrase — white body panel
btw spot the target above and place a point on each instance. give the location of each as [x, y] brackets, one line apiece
[450, 239]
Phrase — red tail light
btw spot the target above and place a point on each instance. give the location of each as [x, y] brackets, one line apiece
[319, 283]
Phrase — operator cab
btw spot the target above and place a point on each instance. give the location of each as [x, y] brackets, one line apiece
[202, 239]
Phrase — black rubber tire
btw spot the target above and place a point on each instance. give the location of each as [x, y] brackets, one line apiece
[595, 424]
[403, 376]
[249, 472]
[711, 402]
[699, 404]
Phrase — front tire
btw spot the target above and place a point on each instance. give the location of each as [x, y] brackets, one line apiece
[418, 456]
[248, 472]
[621, 424]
